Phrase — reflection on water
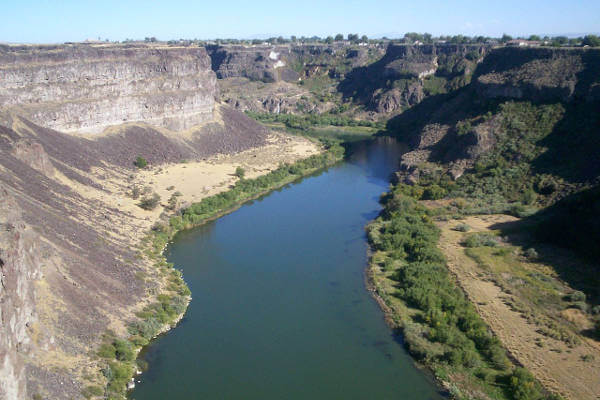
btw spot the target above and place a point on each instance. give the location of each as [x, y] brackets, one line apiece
[279, 306]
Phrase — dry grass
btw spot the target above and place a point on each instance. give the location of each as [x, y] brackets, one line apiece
[523, 302]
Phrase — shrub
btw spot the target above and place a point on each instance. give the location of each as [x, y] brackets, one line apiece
[140, 162]
[462, 228]
[173, 202]
[123, 350]
[480, 239]
[531, 254]
[107, 350]
[135, 192]
[240, 172]
[522, 385]
[120, 374]
[150, 202]
[434, 192]
[577, 296]
[528, 197]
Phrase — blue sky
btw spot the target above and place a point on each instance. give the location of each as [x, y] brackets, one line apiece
[74, 20]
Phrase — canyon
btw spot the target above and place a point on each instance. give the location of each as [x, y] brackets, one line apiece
[74, 118]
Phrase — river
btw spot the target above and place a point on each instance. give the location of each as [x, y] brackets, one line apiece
[280, 309]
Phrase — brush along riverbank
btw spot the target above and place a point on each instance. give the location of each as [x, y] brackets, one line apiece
[173, 296]
[440, 327]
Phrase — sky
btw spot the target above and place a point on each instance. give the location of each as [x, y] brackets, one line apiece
[57, 21]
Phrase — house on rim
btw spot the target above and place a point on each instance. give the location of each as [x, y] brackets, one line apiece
[523, 43]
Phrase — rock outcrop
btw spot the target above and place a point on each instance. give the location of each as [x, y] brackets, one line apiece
[69, 266]
[407, 74]
[20, 267]
[259, 63]
[90, 87]
[457, 129]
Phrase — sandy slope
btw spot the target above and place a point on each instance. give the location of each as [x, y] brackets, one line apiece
[558, 367]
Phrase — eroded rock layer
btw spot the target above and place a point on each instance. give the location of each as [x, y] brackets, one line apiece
[88, 88]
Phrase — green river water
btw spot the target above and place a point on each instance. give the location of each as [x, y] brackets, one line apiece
[280, 309]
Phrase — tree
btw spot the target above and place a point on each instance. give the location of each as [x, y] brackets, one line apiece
[352, 37]
[560, 40]
[339, 37]
[505, 38]
[240, 172]
[140, 162]
[329, 39]
[293, 38]
[591, 40]
[364, 38]
[535, 38]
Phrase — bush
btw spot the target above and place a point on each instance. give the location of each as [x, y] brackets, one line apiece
[480, 239]
[434, 192]
[123, 350]
[531, 254]
[135, 192]
[577, 296]
[107, 350]
[140, 162]
[150, 202]
[462, 228]
[522, 385]
[240, 172]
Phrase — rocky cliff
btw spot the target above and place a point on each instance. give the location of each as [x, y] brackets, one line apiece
[381, 79]
[70, 231]
[530, 107]
[90, 87]
[407, 74]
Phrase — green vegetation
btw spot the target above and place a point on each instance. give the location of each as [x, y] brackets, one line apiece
[505, 179]
[140, 162]
[172, 302]
[150, 202]
[240, 172]
[305, 122]
[92, 391]
[480, 239]
[247, 189]
[441, 327]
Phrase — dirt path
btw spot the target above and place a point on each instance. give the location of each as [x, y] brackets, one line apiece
[558, 367]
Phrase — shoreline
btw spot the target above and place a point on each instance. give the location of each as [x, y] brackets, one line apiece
[329, 157]
[396, 326]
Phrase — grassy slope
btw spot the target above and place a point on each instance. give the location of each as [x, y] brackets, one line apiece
[440, 326]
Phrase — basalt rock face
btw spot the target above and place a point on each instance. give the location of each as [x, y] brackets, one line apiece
[540, 75]
[262, 78]
[290, 63]
[454, 130]
[264, 63]
[69, 266]
[20, 267]
[90, 87]
[69, 269]
[407, 74]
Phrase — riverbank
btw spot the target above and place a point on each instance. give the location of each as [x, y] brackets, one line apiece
[173, 296]
[440, 326]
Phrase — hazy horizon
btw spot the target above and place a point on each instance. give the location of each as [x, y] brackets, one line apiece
[44, 21]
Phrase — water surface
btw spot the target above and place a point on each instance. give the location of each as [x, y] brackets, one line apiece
[280, 309]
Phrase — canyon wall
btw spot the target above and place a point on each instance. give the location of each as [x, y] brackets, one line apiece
[90, 87]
